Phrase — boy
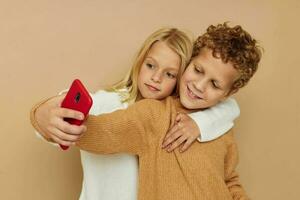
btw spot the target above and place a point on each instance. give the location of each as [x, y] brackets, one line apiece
[224, 59]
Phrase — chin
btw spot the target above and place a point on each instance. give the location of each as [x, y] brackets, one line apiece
[186, 103]
[190, 105]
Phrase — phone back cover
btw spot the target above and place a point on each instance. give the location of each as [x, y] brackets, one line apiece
[71, 100]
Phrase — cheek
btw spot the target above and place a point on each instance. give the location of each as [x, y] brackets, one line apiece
[216, 96]
[183, 81]
[142, 75]
[139, 80]
[182, 85]
[189, 76]
[169, 86]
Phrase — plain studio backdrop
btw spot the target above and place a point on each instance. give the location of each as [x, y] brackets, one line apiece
[45, 44]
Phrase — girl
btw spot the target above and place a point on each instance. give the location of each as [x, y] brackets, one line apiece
[157, 67]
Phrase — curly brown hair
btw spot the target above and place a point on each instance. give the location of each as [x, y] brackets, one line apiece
[231, 44]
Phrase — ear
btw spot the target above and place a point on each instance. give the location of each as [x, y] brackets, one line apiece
[231, 92]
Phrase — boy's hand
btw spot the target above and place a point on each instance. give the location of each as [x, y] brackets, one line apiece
[50, 119]
[183, 133]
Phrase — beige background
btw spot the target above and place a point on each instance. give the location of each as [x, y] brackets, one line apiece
[44, 45]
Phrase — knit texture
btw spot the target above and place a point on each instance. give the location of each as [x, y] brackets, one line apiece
[101, 172]
[205, 171]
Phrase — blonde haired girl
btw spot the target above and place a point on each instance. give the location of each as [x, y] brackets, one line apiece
[158, 65]
[176, 40]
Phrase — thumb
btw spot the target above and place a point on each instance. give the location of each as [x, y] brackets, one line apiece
[178, 117]
[59, 99]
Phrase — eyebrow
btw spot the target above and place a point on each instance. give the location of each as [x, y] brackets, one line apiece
[170, 68]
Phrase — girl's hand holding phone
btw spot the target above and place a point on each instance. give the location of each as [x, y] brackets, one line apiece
[50, 118]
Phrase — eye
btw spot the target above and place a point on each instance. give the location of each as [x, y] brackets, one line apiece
[215, 85]
[149, 65]
[170, 75]
[197, 70]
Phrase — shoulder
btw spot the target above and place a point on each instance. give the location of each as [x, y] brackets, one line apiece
[104, 101]
[156, 105]
[152, 109]
[230, 141]
[231, 107]
[105, 94]
[228, 137]
[154, 115]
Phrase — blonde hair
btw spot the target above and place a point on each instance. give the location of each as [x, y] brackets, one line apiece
[175, 39]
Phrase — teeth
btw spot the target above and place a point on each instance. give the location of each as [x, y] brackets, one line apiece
[192, 94]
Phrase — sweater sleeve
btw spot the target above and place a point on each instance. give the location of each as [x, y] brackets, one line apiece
[103, 102]
[125, 131]
[231, 176]
[217, 120]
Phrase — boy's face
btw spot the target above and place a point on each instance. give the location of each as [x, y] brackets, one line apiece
[158, 75]
[206, 81]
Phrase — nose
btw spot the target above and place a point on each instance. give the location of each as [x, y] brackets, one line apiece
[200, 85]
[156, 77]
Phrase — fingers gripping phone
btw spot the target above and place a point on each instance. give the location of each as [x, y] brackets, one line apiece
[77, 98]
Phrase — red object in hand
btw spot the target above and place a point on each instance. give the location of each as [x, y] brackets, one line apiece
[77, 98]
[63, 147]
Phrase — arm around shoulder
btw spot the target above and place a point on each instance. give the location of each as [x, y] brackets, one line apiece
[124, 131]
[217, 120]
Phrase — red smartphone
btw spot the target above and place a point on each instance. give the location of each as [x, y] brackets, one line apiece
[77, 98]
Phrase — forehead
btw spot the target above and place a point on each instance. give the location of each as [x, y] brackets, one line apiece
[164, 56]
[215, 68]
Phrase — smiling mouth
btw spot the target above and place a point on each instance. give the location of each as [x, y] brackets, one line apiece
[191, 94]
[152, 88]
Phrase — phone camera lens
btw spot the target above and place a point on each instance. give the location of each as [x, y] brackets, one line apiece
[77, 97]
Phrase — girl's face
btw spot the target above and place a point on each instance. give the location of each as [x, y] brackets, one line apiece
[158, 74]
[206, 81]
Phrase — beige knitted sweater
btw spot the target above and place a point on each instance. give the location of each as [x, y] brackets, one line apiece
[206, 171]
